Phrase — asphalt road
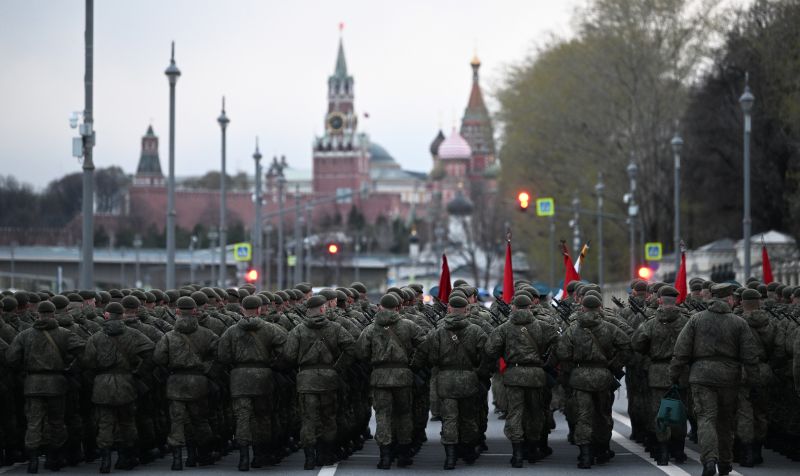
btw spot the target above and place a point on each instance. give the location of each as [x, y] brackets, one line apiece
[630, 459]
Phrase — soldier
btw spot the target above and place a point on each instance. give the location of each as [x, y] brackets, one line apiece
[456, 348]
[751, 418]
[321, 349]
[523, 343]
[45, 352]
[714, 345]
[188, 352]
[119, 356]
[596, 350]
[388, 345]
[251, 348]
[654, 340]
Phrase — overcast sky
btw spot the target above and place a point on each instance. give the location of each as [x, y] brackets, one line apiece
[271, 59]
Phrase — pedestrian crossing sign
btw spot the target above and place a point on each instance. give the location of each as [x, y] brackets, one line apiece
[545, 207]
[652, 251]
[242, 252]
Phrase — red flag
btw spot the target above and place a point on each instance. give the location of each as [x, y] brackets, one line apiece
[571, 274]
[766, 267]
[680, 279]
[444, 281]
[508, 276]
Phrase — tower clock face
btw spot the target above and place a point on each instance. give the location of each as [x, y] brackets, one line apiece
[335, 121]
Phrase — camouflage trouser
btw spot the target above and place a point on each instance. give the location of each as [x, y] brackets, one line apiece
[253, 419]
[716, 418]
[421, 403]
[45, 417]
[499, 392]
[318, 418]
[191, 416]
[145, 423]
[392, 415]
[115, 424]
[460, 420]
[667, 433]
[436, 402]
[525, 417]
[593, 421]
[751, 415]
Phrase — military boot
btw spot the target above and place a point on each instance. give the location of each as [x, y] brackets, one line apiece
[517, 459]
[748, 458]
[602, 454]
[724, 468]
[385, 461]
[449, 456]
[244, 458]
[676, 450]
[662, 454]
[105, 460]
[52, 459]
[311, 458]
[177, 458]
[191, 456]
[710, 468]
[404, 458]
[757, 457]
[585, 457]
[469, 453]
[33, 461]
[205, 455]
[544, 447]
[534, 452]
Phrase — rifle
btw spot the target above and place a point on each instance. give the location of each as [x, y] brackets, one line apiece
[781, 315]
[616, 301]
[430, 315]
[503, 307]
[561, 310]
[495, 318]
[637, 308]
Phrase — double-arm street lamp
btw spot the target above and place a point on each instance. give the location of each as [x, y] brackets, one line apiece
[746, 102]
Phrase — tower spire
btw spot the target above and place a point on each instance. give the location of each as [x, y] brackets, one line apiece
[341, 64]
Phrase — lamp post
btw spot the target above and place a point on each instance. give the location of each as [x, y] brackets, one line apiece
[576, 230]
[268, 267]
[88, 138]
[257, 232]
[677, 148]
[192, 245]
[599, 188]
[173, 73]
[307, 245]
[223, 230]
[212, 238]
[298, 241]
[281, 185]
[137, 245]
[633, 211]
[746, 102]
[554, 251]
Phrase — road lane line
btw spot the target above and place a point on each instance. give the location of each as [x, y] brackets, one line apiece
[328, 470]
[670, 470]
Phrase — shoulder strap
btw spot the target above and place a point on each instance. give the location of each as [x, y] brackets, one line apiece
[527, 333]
[55, 346]
[393, 336]
[120, 353]
[262, 351]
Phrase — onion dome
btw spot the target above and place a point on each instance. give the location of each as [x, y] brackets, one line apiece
[460, 205]
[455, 147]
[437, 141]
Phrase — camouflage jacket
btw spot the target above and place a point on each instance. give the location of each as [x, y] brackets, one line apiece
[655, 340]
[770, 353]
[116, 353]
[456, 348]
[188, 351]
[388, 345]
[151, 332]
[319, 347]
[522, 342]
[44, 359]
[251, 348]
[13, 320]
[715, 344]
[593, 348]
[278, 319]
[210, 322]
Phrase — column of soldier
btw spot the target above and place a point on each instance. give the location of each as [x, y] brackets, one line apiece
[198, 372]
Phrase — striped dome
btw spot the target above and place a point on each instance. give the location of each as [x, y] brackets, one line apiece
[455, 147]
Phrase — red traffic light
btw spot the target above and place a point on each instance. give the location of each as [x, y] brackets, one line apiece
[645, 273]
[524, 200]
[251, 276]
[333, 248]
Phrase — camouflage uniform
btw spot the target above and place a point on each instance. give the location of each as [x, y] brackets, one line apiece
[714, 345]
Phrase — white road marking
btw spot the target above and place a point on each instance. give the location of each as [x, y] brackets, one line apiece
[328, 470]
[634, 448]
[9, 468]
[692, 454]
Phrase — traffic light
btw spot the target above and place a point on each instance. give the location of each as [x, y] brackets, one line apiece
[645, 272]
[251, 276]
[333, 249]
[524, 200]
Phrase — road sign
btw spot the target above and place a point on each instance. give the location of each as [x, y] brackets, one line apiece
[652, 251]
[242, 252]
[545, 207]
[291, 260]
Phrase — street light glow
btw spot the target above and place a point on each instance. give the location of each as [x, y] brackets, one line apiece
[333, 248]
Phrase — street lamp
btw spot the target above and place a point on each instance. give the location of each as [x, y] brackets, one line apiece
[677, 148]
[223, 239]
[173, 73]
[137, 245]
[192, 245]
[212, 239]
[87, 142]
[599, 188]
[280, 257]
[746, 102]
[633, 210]
[298, 241]
[258, 261]
[268, 267]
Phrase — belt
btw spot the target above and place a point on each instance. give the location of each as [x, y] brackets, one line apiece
[390, 365]
[46, 372]
[185, 372]
[661, 361]
[251, 365]
[114, 371]
[522, 365]
[718, 358]
[592, 365]
[316, 367]
[455, 367]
